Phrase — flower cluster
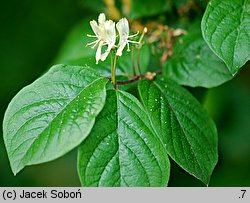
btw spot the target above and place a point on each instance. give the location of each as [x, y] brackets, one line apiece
[105, 33]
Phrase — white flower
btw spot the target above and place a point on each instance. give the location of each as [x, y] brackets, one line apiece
[123, 30]
[105, 34]
[109, 38]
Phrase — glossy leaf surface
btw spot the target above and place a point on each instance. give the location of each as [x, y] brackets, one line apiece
[188, 132]
[226, 27]
[194, 64]
[123, 149]
[53, 115]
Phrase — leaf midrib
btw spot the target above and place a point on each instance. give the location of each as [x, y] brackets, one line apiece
[152, 132]
[182, 128]
[120, 142]
[59, 112]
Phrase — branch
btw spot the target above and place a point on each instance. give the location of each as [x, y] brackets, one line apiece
[136, 78]
[128, 81]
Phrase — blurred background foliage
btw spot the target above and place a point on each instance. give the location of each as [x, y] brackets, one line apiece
[37, 34]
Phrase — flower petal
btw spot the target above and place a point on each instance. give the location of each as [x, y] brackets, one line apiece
[123, 27]
[110, 36]
[120, 49]
[101, 18]
[95, 28]
[123, 30]
[106, 53]
[99, 52]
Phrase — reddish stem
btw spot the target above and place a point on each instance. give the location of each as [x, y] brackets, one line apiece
[135, 79]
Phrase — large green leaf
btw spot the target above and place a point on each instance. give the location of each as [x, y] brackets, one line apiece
[188, 132]
[123, 148]
[53, 115]
[194, 64]
[226, 27]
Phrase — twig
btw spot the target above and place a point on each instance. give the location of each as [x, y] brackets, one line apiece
[135, 79]
[126, 82]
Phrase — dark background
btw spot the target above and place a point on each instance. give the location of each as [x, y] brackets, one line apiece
[32, 32]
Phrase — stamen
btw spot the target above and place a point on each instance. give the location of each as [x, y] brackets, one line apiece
[130, 36]
[135, 42]
[145, 30]
[94, 42]
[95, 45]
[91, 36]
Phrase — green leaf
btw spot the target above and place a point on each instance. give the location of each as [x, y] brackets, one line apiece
[53, 115]
[148, 8]
[194, 64]
[226, 27]
[188, 132]
[123, 148]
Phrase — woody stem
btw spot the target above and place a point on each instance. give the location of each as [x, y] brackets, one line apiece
[134, 79]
